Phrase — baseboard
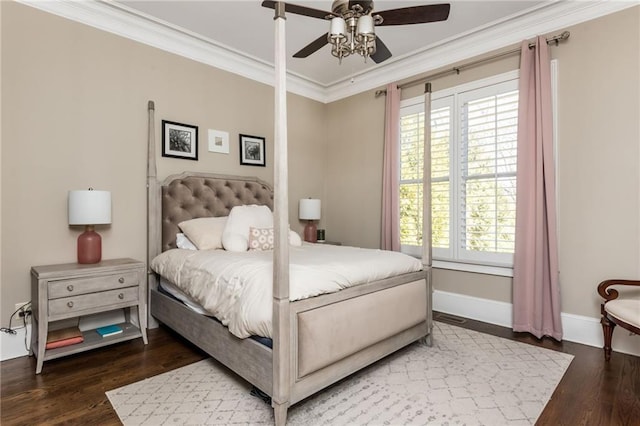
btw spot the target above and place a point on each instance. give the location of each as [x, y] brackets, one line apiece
[576, 328]
[12, 345]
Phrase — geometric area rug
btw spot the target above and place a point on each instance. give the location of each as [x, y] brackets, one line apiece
[465, 378]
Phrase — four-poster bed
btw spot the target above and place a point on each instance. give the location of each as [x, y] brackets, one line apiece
[316, 341]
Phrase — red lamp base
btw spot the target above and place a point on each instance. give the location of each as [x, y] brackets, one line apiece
[89, 246]
[310, 232]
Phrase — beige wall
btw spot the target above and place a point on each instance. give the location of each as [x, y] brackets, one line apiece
[598, 158]
[598, 152]
[74, 115]
[354, 170]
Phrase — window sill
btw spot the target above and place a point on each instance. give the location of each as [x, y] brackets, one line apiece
[502, 271]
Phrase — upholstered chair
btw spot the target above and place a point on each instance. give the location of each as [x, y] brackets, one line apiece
[619, 308]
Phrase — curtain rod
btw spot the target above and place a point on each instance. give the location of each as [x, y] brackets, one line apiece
[456, 70]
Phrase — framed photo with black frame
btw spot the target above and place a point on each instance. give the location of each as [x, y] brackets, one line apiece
[179, 140]
[252, 151]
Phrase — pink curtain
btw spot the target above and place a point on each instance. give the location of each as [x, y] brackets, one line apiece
[536, 292]
[390, 172]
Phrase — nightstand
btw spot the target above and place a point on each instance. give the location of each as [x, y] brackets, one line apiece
[60, 292]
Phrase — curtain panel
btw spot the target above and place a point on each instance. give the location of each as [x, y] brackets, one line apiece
[390, 172]
[536, 290]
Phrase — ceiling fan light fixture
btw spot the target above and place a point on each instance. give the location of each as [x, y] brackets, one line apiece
[366, 36]
[355, 34]
[338, 39]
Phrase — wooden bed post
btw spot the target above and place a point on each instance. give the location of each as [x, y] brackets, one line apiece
[426, 212]
[153, 220]
[280, 320]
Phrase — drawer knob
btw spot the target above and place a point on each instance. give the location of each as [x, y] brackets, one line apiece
[121, 280]
[70, 304]
[70, 287]
[121, 296]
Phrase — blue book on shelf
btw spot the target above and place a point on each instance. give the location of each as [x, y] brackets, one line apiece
[109, 330]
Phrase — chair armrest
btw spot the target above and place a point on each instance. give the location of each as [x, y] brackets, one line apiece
[610, 293]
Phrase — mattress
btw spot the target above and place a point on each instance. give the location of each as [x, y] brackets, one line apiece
[236, 288]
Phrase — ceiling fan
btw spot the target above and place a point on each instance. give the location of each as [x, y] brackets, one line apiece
[352, 26]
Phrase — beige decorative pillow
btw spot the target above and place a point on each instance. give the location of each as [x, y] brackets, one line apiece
[205, 232]
[263, 239]
[260, 238]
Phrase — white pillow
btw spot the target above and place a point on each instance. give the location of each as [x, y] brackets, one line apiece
[184, 243]
[236, 233]
[205, 232]
[294, 239]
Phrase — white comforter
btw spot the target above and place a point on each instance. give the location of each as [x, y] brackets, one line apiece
[236, 288]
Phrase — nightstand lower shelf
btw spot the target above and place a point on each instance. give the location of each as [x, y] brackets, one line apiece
[93, 340]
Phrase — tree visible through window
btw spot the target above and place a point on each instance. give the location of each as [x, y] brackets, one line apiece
[473, 173]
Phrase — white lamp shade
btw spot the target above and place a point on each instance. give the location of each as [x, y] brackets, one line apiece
[309, 209]
[365, 25]
[338, 26]
[89, 207]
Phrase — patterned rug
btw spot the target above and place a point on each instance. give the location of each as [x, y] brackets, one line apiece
[466, 378]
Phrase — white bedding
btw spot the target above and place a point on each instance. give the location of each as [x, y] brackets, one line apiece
[236, 288]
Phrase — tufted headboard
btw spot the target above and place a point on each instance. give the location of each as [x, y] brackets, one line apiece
[193, 195]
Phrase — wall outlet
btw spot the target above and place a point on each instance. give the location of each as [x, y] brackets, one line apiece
[19, 305]
[19, 314]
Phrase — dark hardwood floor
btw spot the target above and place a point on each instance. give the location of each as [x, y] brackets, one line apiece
[72, 390]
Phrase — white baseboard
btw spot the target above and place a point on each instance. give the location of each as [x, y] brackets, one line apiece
[576, 328]
[12, 345]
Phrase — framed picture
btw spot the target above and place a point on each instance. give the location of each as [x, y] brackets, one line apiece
[179, 140]
[252, 151]
[218, 141]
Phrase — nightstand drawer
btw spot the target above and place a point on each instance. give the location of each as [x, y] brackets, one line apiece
[72, 287]
[77, 304]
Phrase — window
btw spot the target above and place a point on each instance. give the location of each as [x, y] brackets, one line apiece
[473, 172]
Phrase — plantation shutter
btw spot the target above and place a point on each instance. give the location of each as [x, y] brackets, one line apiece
[487, 185]
[441, 127]
[411, 160]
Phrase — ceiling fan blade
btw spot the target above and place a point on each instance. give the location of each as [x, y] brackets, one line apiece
[415, 14]
[312, 47]
[382, 52]
[298, 10]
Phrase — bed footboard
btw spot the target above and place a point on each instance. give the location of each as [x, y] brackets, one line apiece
[334, 332]
[335, 338]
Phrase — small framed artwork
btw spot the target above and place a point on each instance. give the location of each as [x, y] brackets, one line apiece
[218, 141]
[179, 140]
[252, 151]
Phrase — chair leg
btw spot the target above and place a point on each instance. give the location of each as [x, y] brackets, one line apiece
[607, 330]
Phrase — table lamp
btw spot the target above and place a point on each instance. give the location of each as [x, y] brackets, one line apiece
[309, 210]
[89, 208]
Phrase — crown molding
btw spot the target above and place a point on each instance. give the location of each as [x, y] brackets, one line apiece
[554, 17]
[118, 20]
